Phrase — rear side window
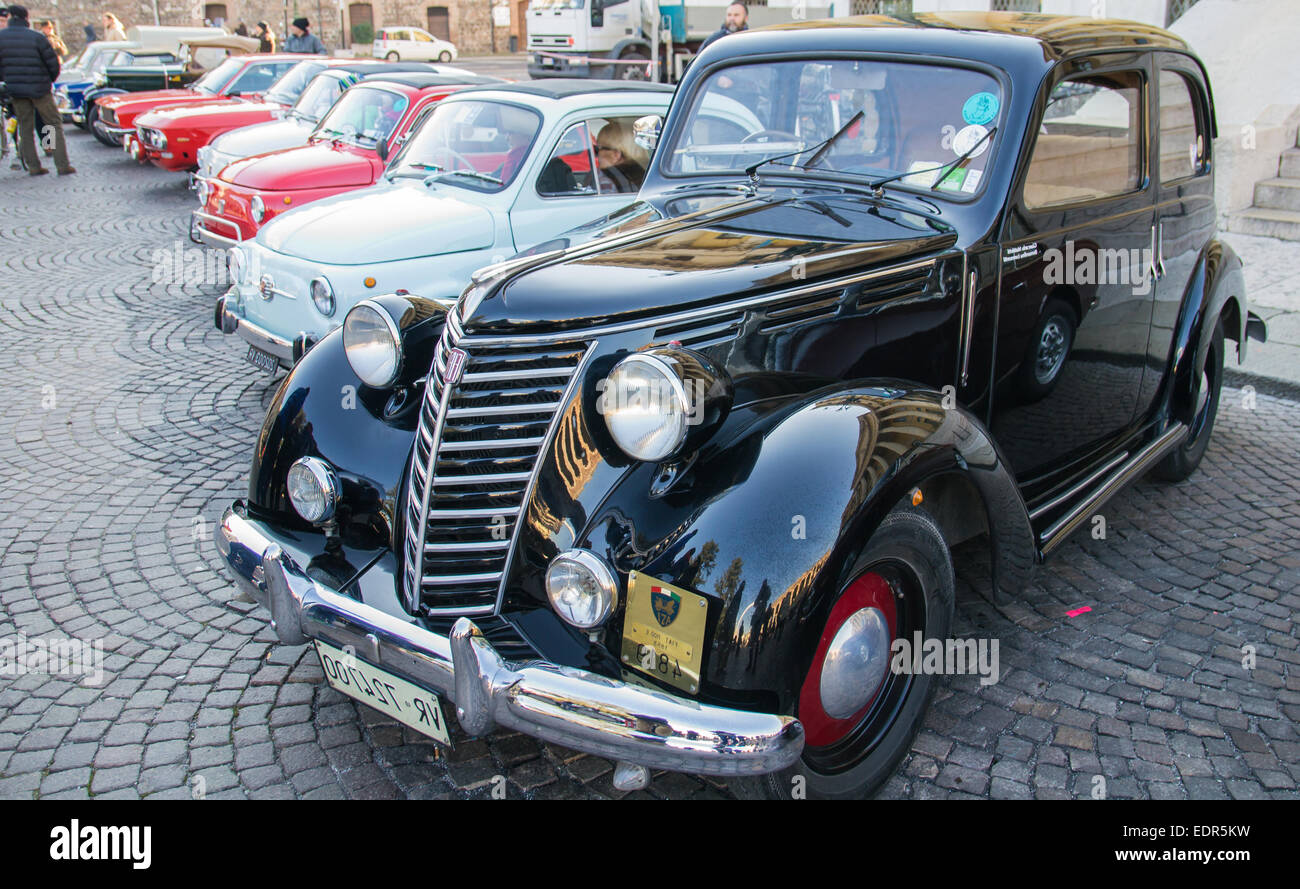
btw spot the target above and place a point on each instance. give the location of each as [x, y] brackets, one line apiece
[1182, 141]
[1089, 144]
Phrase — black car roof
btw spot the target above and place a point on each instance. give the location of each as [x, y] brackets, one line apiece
[418, 80]
[563, 87]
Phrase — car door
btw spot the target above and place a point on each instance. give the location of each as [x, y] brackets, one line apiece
[423, 45]
[1075, 290]
[567, 186]
[1185, 212]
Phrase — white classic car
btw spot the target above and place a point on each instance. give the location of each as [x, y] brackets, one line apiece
[492, 171]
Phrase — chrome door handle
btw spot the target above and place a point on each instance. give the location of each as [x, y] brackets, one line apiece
[1153, 267]
[1160, 248]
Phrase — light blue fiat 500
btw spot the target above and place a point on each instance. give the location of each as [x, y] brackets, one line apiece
[489, 172]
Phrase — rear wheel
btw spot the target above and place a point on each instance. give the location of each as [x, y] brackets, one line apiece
[1182, 461]
[393, 56]
[444, 57]
[860, 717]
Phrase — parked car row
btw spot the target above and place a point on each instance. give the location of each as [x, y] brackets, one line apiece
[645, 422]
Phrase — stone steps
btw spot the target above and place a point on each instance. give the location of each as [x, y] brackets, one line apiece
[1276, 210]
[1267, 221]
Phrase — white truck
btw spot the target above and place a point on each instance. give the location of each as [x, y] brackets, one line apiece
[636, 39]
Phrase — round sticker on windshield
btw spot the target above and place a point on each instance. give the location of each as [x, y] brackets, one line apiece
[966, 139]
[980, 108]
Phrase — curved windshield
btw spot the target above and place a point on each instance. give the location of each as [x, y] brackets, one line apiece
[323, 91]
[480, 145]
[364, 115]
[216, 79]
[99, 64]
[289, 87]
[858, 117]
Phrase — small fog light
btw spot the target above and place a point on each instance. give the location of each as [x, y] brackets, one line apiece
[313, 489]
[582, 588]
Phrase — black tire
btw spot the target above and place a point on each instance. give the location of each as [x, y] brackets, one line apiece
[1049, 347]
[1182, 461]
[908, 542]
[444, 57]
[92, 115]
[393, 56]
[632, 72]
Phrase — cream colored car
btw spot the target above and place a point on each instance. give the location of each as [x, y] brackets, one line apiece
[411, 45]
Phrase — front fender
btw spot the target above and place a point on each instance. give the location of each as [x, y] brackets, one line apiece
[770, 518]
[322, 409]
[91, 95]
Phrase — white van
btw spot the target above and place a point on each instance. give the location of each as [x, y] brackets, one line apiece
[411, 45]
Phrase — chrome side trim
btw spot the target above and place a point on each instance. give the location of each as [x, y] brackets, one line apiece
[1086, 483]
[1137, 464]
[968, 323]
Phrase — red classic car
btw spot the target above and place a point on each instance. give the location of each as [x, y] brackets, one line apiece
[171, 137]
[236, 76]
[347, 150]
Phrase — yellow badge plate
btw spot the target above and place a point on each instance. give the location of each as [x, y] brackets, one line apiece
[663, 631]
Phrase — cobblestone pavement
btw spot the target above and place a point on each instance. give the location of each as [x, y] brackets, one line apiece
[128, 426]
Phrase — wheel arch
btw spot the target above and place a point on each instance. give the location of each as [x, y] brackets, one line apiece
[1215, 291]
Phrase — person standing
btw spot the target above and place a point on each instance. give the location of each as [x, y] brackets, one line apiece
[60, 48]
[113, 29]
[241, 29]
[302, 40]
[265, 37]
[29, 67]
[737, 19]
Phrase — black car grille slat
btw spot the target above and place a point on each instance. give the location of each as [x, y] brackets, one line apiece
[472, 464]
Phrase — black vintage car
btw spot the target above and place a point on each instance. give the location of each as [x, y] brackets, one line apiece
[674, 491]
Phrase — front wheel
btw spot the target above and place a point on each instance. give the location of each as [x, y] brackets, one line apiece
[1182, 461]
[444, 57]
[860, 715]
[633, 72]
[92, 117]
[393, 56]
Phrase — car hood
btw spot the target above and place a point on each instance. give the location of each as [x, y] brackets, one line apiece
[273, 135]
[321, 165]
[227, 112]
[699, 257]
[386, 223]
[148, 98]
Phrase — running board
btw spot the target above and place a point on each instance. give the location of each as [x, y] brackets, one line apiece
[1139, 463]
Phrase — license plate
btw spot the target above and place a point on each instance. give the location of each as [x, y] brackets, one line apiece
[264, 360]
[407, 703]
[663, 631]
[548, 62]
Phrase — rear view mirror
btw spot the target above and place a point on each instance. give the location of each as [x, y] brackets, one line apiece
[381, 149]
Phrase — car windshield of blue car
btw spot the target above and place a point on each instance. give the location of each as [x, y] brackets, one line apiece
[788, 117]
[289, 87]
[479, 145]
[216, 79]
[365, 116]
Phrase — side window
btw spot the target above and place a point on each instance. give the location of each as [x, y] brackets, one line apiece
[568, 171]
[1090, 143]
[1182, 142]
[421, 37]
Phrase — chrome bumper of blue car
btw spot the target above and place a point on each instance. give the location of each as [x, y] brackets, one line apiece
[564, 705]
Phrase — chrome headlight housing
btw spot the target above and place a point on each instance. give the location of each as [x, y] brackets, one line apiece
[313, 489]
[663, 401]
[202, 189]
[238, 264]
[322, 294]
[372, 342]
[257, 207]
[582, 588]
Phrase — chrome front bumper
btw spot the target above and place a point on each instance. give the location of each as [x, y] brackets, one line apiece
[209, 237]
[564, 705]
[228, 322]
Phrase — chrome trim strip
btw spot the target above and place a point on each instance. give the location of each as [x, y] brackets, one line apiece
[490, 444]
[1137, 464]
[660, 321]
[1087, 482]
[416, 576]
[485, 479]
[968, 324]
[477, 512]
[501, 375]
[506, 410]
[463, 547]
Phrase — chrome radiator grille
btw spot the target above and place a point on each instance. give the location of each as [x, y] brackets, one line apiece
[478, 441]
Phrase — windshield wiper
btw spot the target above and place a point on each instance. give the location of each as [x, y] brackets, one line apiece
[414, 172]
[821, 148]
[947, 168]
[473, 174]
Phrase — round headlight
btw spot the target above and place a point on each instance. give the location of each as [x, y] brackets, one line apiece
[258, 208]
[373, 344]
[323, 296]
[645, 408]
[238, 265]
[582, 588]
[313, 489]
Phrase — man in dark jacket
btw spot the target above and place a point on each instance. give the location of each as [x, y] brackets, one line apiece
[29, 67]
[737, 19]
[302, 40]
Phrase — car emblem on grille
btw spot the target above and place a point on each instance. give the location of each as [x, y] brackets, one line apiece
[455, 364]
[266, 286]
